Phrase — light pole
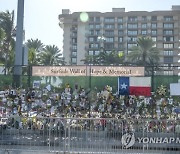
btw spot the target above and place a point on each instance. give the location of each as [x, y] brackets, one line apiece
[179, 62]
[18, 49]
[90, 89]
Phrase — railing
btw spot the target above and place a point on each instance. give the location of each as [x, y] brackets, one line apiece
[82, 135]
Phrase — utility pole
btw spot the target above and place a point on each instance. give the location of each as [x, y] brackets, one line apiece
[19, 43]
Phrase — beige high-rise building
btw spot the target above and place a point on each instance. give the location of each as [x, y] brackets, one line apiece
[118, 30]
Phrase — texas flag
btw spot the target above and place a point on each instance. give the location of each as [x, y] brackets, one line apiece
[139, 86]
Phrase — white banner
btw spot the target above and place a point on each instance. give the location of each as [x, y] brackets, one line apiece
[87, 71]
[175, 89]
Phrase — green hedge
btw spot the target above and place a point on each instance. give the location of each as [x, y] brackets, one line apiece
[164, 80]
[87, 82]
[99, 82]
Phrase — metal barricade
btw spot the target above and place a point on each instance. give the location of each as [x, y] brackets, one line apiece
[91, 135]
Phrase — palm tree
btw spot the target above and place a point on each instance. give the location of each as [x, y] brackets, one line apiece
[32, 57]
[51, 56]
[110, 58]
[37, 45]
[2, 35]
[144, 54]
[10, 62]
[91, 59]
[7, 25]
[104, 58]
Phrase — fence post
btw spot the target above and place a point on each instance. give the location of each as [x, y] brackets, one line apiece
[69, 138]
[29, 75]
[152, 78]
[50, 135]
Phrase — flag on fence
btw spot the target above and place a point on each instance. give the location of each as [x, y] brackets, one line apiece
[139, 86]
[175, 89]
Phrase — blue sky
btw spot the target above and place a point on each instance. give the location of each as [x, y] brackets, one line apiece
[41, 16]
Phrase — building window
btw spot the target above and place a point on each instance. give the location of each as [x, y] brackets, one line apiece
[168, 25]
[97, 19]
[120, 32]
[109, 46]
[154, 32]
[91, 39]
[91, 19]
[109, 19]
[74, 40]
[120, 46]
[154, 18]
[144, 18]
[132, 32]
[97, 26]
[132, 39]
[120, 26]
[168, 72]
[168, 38]
[168, 53]
[91, 32]
[144, 26]
[168, 45]
[120, 20]
[74, 60]
[168, 66]
[109, 33]
[74, 53]
[109, 26]
[96, 52]
[144, 32]
[165, 66]
[75, 20]
[120, 39]
[91, 26]
[168, 59]
[110, 39]
[93, 45]
[168, 32]
[132, 19]
[130, 45]
[74, 27]
[153, 25]
[154, 39]
[74, 34]
[168, 18]
[132, 26]
[97, 32]
[74, 47]
[91, 53]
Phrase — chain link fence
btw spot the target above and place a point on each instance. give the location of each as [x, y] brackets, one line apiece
[88, 135]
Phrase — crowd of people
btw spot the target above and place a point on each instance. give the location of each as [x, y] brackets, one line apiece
[77, 102]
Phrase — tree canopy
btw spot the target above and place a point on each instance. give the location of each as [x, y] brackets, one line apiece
[145, 53]
[7, 41]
